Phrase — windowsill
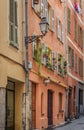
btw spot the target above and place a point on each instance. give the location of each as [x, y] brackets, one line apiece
[14, 45]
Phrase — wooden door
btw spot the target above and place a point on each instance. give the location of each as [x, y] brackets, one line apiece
[50, 107]
[33, 105]
[10, 106]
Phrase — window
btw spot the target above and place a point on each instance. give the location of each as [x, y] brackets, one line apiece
[47, 56]
[54, 60]
[36, 50]
[43, 58]
[75, 29]
[63, 34]
[80, 67]
[75, 63]
[60, 101]
[61, 65]
[51, 17]
[69, 21]
[42, 8]
[71, 57]
[52, 20]
[80, 37]
[59, 28]
[13, 27]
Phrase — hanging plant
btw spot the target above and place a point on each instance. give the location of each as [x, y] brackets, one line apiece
[46, 53]
[65, 71]
[59, 58]
[48, 64]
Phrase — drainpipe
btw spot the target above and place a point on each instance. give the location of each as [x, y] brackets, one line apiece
[67, 90]
[28, 88]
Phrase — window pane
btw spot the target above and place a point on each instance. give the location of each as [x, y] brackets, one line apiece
[11, 10]
[16, 35]
[11, 34]
[69, 20]
[15, 9]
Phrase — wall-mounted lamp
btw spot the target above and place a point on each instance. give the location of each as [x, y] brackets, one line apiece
[43, 27]
[47, 81]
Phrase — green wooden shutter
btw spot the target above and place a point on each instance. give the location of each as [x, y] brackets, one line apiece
[63, 34]
[58, 28]
[11, 20]
[13, 28]
[11, 9]
[42, 8]
[15, 18]
[34, 48]
[52, 19]
[54, 60]
[69, 21]
[72, 58]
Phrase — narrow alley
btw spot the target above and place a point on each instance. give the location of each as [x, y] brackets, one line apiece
[77, 124]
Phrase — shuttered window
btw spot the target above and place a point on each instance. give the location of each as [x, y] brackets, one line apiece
[51, 17]
[69, 55]
[13, 26]
[69, 20]
[34, 48]
[60, 65]
[60, 30]
[80, 67]
[75, 63]
[58, 22]
[78, 34]
[52, 20]
[42, 8]
[54, 60]
[75, 30]
[63, 34]
[43, 58]
[72, 58]
[80, 37]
